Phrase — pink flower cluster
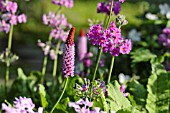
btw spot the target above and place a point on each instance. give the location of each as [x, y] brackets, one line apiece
[9, 17]
[102, 7]
[83, 106]
[109, 39]
[66, 3]
[58, 23]
[164, 38]
[21, 105]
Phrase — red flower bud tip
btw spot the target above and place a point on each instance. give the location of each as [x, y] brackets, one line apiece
[82, 33]
[70, 39]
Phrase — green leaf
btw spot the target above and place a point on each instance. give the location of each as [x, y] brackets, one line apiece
[138, 91]
[115, 98]
[102, 96]
[141, 55]
[71, 84]
[63, 104]
[20, 86]
[158, 89]
[42, 93]
[21, 74]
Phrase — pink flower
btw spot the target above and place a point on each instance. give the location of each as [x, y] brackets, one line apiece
[13, 20]
[122, 1]
[52, 54]
[122, 89]
[11, 6]
[82, 45]
[22, 18]
[68, 55]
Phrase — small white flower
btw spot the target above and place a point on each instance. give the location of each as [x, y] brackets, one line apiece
[151, 16]
[123, 78]
[168, 15]
[134, 35]
[164, 8]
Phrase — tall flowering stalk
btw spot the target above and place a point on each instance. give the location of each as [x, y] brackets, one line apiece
[95, 36]
[68, 61]
[58, 23]
[9, 18]
[82, 45]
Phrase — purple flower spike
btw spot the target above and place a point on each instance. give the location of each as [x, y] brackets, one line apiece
[82, 45]
[68, 55]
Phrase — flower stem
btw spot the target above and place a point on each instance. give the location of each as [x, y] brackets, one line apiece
[8, 61]
[45, 61]
[60, 96]
[97, 64]
[108, 22]
[111, 68]
[56, 60]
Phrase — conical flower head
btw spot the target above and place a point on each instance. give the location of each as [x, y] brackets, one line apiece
[82, 45]
[68, 55]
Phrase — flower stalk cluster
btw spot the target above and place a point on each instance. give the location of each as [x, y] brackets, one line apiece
[21, 105]
[9, 18]
[83, 106]
[91, 90]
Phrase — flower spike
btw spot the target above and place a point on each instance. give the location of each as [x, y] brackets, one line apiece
[68, 55]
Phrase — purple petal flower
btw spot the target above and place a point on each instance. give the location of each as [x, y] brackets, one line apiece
[13, 20]
[122, 1]
[52, 54]
[22, 18]
[116, 8]
[11, 6]
[66, 3]
[115, 52]
[4, 26]
[122, 89]
[87, 62]
[68, 55]
[82, 45]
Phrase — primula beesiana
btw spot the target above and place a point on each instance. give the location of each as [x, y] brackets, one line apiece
[102, 7]
[10, 16]
[21, 105]
[66, 3]
[109, 39]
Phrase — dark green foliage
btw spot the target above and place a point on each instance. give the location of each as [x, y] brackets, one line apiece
[158, 89]
[138, 91]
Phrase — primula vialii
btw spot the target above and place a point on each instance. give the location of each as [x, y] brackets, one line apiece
[82, 45]
[68, 55]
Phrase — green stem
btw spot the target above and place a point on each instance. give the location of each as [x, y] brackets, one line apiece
[8, 61]
[111, 68]
[45, 61]
[56, 60]
[108, 22]
[60, 96]
[97, 64]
